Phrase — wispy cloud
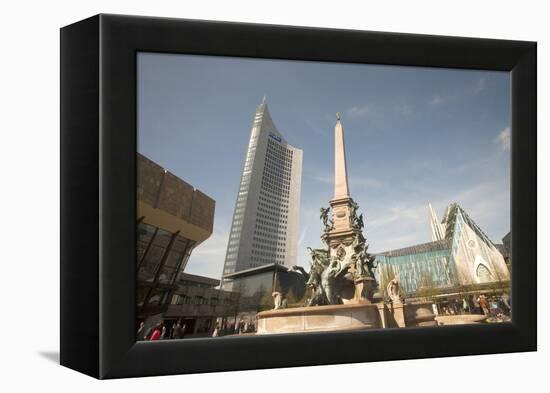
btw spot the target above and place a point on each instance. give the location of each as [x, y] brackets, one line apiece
[400, 213]
[473, 89]
[398, 226]
[478, 86]
[360, 111]
[315, 128]
[326, 179]
[405, 109]
[436, 99]
[401, 223]
[503, 139]
[302, 236]
[353, 181]
[362, 181]
[379, 111]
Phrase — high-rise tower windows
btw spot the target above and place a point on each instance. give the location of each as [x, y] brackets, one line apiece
[265, 221]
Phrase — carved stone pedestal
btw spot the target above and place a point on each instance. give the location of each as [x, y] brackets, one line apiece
[420, 314]
[398, 313]
[364, 290]
[392, 314]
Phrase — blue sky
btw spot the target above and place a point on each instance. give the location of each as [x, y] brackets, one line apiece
[413, 135]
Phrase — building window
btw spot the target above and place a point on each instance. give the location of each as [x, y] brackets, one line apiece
[157, 298]
[483, 274]
[151, 260]
[145, 234]
[173, 260]
[178, 299]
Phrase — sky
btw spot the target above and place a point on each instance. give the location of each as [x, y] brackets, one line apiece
[413, 135]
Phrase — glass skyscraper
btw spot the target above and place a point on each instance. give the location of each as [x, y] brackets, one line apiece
[264, 229]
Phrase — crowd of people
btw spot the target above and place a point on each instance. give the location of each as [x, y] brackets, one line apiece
[160, 332]
[178, 330]
[241, 327]
[497, 308]
[491, 306]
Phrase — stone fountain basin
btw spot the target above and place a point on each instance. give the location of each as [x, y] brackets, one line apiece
[319, 318]
[460, 319]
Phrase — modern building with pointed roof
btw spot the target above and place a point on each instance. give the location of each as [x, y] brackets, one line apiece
[438, 233]
[474, 255]
[264, 229]
[459, 255]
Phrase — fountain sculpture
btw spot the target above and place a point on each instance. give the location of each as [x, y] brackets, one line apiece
[341, 277]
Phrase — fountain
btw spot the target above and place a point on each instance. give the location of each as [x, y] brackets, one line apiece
[341, 278]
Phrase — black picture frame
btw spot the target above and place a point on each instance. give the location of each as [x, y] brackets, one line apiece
[98, 206]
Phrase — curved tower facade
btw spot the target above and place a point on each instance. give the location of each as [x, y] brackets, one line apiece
[265, 224]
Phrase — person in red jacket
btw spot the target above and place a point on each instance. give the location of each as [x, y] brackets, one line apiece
[484, 304]
[156, 333]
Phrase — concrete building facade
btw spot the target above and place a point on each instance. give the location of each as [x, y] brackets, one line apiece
[265, 225]
[198, 304]
[173, 218]
[255, 287]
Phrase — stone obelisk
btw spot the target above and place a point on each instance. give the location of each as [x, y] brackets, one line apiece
[343, 213]
[341, 190]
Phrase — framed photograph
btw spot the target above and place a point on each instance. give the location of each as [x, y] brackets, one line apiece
[239, 196]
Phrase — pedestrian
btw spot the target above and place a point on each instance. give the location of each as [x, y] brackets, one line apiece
[456, 306]
[176, 331]
[216, 332]
[471, 304]
[163, 332]
[157, 331]
[497, 304]
[140, 332]
[483, 304]
[240, 326]
[465, 306]
[476, 306]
